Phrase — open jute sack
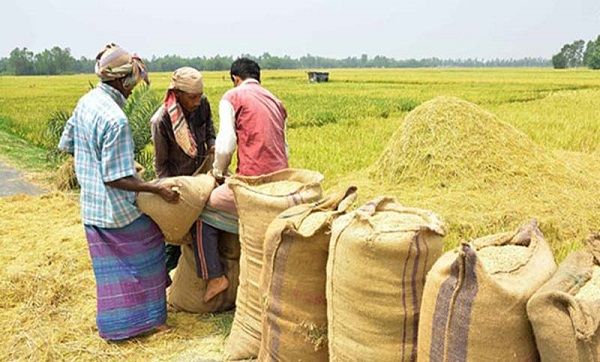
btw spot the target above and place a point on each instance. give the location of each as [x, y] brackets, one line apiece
[176, 219]
[259, 200]
[475, 296]
[293, 279]
[187, 289]
[378, 258]
[565, 312]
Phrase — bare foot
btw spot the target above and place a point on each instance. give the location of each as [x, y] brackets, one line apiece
[214, 287]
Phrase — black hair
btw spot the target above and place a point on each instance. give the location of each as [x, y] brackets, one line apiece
[245, 68]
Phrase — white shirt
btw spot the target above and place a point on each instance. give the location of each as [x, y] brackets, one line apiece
[226, 138]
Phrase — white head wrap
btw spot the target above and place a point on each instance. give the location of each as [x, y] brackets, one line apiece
[187, 79]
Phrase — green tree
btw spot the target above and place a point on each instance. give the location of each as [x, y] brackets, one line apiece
[576, 53]
[559, 61]
[3, 65]
[20, 62]
[44, 63]
[64, 62]
[589, 51]
[570, 55]
[55, 61]
[594, 61]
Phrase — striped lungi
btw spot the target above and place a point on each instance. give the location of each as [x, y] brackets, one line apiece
[129, 266]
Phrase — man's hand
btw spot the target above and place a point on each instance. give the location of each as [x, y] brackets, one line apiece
[131, 183]
[168, 193]
[219, 178]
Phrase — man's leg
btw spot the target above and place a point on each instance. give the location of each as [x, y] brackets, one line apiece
[206, 242]
[208, 263]
[206, 252]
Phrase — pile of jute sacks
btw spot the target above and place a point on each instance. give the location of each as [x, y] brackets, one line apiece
[318, 280]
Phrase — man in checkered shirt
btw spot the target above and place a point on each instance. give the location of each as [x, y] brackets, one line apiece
[127, 248]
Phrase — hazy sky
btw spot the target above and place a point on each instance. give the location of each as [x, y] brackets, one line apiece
[394, 28]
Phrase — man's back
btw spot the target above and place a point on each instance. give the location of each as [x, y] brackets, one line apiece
[260, 129]
[99, 137]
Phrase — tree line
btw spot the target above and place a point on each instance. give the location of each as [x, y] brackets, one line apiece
[578, 54]
[55, 61]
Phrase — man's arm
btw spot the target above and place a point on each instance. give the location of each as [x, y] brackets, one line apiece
[67, 140]
[226, 139]
[117, 165]
[161, 149]
[130, 183]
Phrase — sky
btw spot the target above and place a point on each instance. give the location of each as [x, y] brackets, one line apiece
[395, 28]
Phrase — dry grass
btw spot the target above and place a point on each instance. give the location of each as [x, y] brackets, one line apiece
[65, 178]
[484, 176]
[47, 309]
[480, 174]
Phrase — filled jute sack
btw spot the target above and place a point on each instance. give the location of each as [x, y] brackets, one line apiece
[294, 321]
[176, 219]
[259, 200]
[187, 290]
[378, 258]
[229, 245]
[475, 296]
[565, 312]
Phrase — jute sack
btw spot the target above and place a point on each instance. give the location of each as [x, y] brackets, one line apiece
[565, 312]
[229, 245]
[378, 258]
[187, 239]
[176, 219]
[187, 290]
[294, 321]
[474, 300]
[259, 200]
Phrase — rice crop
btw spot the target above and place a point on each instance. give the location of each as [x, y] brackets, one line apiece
[519, 143]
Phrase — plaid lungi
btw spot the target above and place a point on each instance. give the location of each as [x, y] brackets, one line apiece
[129, 266]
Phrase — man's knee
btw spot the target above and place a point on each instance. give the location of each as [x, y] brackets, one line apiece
[222, 199]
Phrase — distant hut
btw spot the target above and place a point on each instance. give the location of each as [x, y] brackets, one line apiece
[318, 76]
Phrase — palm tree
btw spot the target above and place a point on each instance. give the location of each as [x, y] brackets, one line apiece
[139, 108]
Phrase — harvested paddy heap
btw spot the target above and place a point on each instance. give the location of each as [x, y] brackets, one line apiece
[47, 289]
[483, 175]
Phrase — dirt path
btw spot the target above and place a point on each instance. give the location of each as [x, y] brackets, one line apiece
[11, 182]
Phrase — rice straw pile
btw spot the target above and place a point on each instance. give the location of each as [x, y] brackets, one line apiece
[65, 178]
[484, 176]
[47, 309]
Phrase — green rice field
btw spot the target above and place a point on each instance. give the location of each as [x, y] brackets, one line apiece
[525, 144]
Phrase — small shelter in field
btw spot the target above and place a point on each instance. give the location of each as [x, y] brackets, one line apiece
[318, 76]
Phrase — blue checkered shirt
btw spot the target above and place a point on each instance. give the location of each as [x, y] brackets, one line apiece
[99, 137]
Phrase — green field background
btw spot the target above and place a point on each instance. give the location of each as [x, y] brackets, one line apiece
[342, 126]
[341, 129]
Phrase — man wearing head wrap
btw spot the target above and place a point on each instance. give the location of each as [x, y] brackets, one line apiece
[183, 133]
[126, 247]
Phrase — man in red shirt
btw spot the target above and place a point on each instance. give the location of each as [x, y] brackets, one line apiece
[254, 120]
